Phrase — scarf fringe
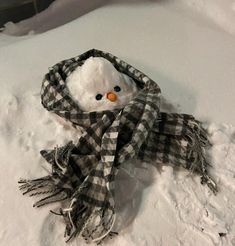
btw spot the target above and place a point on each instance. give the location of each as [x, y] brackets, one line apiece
[197, 138]
[93, 223]
[43, 186]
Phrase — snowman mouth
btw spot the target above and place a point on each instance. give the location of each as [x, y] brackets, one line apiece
[112, 96]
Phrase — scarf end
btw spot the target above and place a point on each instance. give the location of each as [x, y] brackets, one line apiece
[198, 141]
[206, 179]
[45, 187]
[93, 224]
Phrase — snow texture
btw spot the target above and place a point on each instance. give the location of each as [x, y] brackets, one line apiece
[220, 12]
[191, 59]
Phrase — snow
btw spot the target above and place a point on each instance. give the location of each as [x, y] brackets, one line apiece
[58, 13]
[7, 40]
[191, 59]
[98, 76]
[220, 12]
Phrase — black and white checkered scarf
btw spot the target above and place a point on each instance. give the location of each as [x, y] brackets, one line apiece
[83, 173]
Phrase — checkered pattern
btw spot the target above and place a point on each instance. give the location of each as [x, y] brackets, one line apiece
[83, 174]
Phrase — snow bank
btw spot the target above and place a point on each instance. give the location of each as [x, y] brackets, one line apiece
[220, 12]
[8, 40]
[58, 13]
[193, 63]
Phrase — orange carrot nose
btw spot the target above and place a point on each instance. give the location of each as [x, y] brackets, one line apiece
[111, 96]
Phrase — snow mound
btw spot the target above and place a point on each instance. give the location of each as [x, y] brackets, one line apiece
[220, 12]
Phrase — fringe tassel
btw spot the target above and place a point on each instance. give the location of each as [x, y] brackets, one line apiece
[198, 141]
[42, 186]
[93, 223]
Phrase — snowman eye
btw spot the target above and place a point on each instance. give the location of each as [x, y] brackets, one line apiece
[117, 88]
[98, 97]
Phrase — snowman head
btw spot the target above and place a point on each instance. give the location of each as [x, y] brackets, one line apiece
[97, 86]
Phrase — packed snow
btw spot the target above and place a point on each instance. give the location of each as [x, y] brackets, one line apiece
[191, 59]
[220, 12]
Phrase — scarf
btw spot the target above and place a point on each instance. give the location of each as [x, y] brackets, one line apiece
[83, 173]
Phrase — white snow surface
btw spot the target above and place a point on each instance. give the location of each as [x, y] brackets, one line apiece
[191, 59]
[220, 12]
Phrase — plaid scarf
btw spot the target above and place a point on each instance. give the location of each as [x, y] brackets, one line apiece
[83, 173]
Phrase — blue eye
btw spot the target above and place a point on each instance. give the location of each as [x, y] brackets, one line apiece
[117, 88]
[98, 97]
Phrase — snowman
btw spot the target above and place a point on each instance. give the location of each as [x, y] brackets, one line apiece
[97, 86]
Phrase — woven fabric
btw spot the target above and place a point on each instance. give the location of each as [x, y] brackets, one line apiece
[83, 173]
